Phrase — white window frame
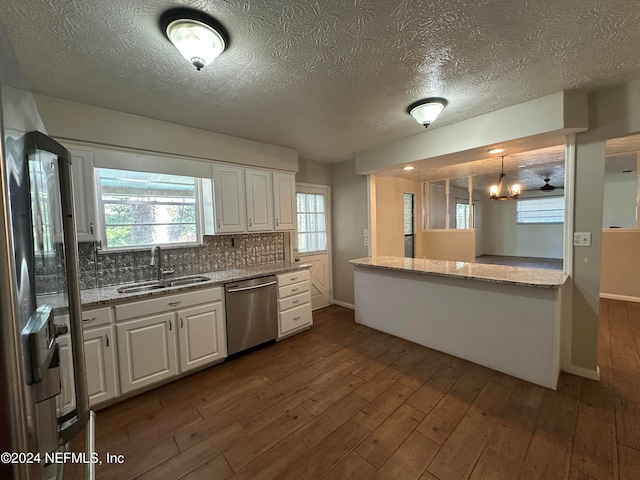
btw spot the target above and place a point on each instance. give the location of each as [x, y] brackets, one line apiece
[326, 226]
[557, 198]
[103, 228]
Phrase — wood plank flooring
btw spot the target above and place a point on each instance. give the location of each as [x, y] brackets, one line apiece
[343, 401]
[529, 262]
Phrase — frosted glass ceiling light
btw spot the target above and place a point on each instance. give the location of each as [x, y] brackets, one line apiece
[196, 35]
[427, 110]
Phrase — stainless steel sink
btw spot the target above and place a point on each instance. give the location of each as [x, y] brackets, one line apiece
[157, 285]
[141, 288]
[187, 280]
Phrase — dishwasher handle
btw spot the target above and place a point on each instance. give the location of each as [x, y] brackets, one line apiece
[253, 287]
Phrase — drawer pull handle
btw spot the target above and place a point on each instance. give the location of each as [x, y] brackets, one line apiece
[294, 289]
[296, 318]
[170, 325]
[173, 304]
[295, 301]
[293, 279]
[88, 320]
[107, 338]
[181, 322]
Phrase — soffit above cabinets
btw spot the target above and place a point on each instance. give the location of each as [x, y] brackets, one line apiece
[327, 78]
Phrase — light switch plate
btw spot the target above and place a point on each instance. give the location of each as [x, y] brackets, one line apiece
[582, 239]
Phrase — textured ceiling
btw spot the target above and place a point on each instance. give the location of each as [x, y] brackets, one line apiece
[529, 168]
[327, 77]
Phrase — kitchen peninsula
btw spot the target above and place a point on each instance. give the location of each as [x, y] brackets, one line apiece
[505, 318]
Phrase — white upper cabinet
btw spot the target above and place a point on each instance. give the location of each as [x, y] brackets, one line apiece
[284, 200]
[84, 193]
[229, 199]
[259, 200]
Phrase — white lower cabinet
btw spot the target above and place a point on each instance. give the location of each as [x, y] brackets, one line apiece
[67, 397]
[146, 351]
[166, 335]
[201, 335]
[100, 364]
[99, 355]
[294, 302]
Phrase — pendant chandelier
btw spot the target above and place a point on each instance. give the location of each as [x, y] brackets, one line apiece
[503, 191]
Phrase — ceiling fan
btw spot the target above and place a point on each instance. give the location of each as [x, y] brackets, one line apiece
[548, 187]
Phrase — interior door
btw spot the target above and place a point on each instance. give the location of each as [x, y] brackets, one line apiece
[313, 239]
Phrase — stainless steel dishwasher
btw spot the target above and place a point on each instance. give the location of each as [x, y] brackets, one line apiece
[252, 314]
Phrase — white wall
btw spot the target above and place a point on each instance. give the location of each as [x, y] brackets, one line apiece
[620, 197]
[501, 235]
[349, 216]
[65, 120]
[313, 172]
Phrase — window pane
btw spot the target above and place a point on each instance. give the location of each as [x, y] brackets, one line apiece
[142, 208]
[540, 210]
[312, 229]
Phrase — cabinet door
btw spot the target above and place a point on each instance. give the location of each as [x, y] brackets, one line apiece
[229, 205]
[100, 360]
[284, 201]
[146, 351]
[259, 200]
[67, 398]
[201, 335]
[84, 193]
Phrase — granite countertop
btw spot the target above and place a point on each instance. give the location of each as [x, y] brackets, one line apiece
[110, 296]
[530, 277]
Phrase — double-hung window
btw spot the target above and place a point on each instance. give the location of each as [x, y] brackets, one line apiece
[540, 210]
[142, 209]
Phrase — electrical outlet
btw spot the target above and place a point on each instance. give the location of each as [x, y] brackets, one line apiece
[582, 239]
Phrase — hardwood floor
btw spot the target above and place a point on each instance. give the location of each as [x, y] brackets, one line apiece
[342, 401]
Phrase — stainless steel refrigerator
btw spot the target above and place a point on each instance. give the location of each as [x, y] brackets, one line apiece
[36, 224]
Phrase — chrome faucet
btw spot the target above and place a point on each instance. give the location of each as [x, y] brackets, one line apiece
[162, 273]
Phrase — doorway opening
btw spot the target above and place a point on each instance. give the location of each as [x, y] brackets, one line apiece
[409, 224]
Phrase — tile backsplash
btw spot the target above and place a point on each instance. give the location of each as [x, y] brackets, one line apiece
[101, 269]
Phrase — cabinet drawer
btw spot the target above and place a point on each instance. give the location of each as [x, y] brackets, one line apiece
[97, 317]
[292, 277]
[293, 289]
[295, 318]
[90, 318]
[167, 302]
[294, 301]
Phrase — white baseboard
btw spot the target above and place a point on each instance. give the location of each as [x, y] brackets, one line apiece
[343, 304]
[624, 298]
[583, 372]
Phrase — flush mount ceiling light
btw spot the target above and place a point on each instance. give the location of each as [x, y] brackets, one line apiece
[496, 150]
[197, 36]
[408, 168]
[427, 110]
[497, 192]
